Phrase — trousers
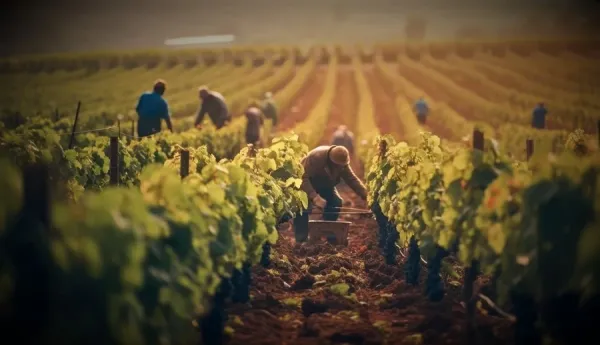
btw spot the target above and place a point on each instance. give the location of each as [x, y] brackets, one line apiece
[332, 212]
[252, 138]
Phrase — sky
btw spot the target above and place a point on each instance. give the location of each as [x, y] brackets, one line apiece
[38, 26]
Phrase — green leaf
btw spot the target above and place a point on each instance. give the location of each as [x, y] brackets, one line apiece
[340, 289]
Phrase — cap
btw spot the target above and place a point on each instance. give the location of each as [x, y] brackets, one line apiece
[339, 155]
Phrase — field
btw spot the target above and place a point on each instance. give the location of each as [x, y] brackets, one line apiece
[446, 200]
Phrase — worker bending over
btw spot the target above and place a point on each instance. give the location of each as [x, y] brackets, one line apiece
[151, 109]
[254, 124]
[422, 110]
[269, 109]
[214, 104]
[324, 168]
[343, 137]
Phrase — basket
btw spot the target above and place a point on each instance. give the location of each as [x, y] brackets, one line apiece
[336, 232]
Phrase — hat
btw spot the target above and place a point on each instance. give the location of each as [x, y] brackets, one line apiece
[339, 155]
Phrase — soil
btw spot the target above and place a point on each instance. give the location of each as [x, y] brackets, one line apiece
[344, 108]
[283, 83]
[437, 92]
[384, 104]
[306, 98]
[345, 104]
[296, 301]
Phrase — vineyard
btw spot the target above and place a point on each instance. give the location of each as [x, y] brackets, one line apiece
[484, 229]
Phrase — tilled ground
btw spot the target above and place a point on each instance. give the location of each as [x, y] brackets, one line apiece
[324, 294]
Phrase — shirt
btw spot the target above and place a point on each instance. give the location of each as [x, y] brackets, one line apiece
[319, 175]
[421, 107]
[539, 116]
[270, 111]
[151, 109]
[255, 120]
[214, 104]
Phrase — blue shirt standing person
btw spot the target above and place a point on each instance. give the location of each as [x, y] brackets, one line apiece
[151, 109]
[538, 117]
[422, 110]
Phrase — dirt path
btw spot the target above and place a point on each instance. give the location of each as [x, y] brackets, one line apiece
[344, 107]
[297, 301]
[304, 100]
[345, 103]
[385, 108]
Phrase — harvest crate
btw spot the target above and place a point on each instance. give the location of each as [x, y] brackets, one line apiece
[319, 229]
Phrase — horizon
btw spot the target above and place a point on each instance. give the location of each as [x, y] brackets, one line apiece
[66, 26]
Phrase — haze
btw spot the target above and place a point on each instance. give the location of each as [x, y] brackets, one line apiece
[64, 26]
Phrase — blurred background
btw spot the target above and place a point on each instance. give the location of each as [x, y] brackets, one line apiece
[38, 26]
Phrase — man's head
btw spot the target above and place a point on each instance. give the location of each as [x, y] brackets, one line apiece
[342, 128]
[160, 87]
[541, 104]
[253, 104]
[339, 156]
[268, 95]
[203, 92]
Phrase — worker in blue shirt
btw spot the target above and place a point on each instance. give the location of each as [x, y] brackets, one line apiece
[422, 110]
[151, 109]
[538, 116]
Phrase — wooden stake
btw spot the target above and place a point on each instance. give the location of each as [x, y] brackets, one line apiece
[478, 140]
[529, 148]
[114, 161]
[184, 169]
[72, 139]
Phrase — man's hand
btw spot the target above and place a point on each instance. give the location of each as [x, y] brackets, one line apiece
[319, 202]
[198, 126]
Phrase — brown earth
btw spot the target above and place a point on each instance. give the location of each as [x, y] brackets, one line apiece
[387, 99]
[344, 107]
[304, 101]
[386, 116]
[293, 301]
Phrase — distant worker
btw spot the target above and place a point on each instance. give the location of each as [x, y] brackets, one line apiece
[343, 137]
[151, 109]
[269, 108]
[324, 168]
[422, 110]
[538, 117]
[214, 104]
[255, 122]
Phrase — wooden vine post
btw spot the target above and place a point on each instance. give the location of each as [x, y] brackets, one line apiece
[72, 139]
[382, 221]
[472, 271]
[114, 161]
[184, 168]
[252, 151]
[529, 148]
[382, 149]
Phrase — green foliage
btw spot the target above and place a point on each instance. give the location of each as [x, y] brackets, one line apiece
[536, 222]
[148, 260]
[86, 166]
